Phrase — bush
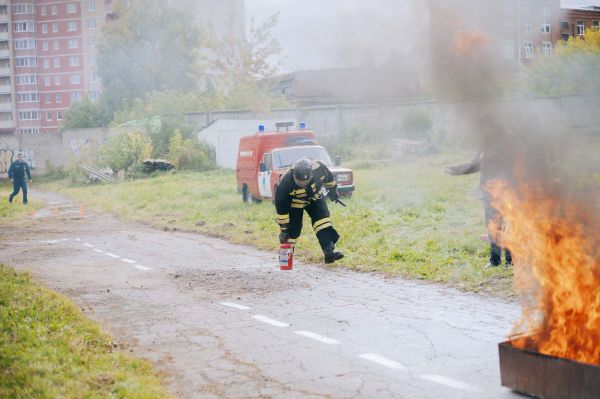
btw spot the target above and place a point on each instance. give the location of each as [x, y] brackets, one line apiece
[190, 154]
[125, 150]
[416, 125]
[86, 114]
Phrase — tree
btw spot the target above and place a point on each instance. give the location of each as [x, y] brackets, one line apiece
[150, 46]
[125, 150]
[86, 114]
[162, 114]
[240, 68]
[574, 69]
[190, 154]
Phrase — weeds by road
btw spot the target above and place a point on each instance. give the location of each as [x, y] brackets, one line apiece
[406, 219]
[49, 350]
[16, 209]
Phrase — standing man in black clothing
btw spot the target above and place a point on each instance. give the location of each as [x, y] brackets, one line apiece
[304, 187]
[495, 160]
[17, 171]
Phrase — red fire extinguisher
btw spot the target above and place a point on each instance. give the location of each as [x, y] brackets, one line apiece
[286, 256]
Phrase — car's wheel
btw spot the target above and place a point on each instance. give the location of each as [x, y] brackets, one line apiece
[246, 197]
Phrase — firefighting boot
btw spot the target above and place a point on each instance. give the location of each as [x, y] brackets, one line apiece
[331, 255]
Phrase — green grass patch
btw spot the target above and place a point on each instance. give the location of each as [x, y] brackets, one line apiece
[406, 219]
[15, 210]
[48, 349]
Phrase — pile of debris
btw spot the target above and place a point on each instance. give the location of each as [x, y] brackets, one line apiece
[98, 175]
[152, 165]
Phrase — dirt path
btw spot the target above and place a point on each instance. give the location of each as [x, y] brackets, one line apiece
[221, 321]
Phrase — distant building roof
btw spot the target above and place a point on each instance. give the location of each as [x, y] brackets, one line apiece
[347, 85]
[582, 8]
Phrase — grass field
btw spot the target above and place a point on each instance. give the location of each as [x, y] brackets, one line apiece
[407, 219]
[49, 350]
[16, 209]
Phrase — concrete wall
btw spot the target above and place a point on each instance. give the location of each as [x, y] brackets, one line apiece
[43, 151]
[571, 112]
[46, 151]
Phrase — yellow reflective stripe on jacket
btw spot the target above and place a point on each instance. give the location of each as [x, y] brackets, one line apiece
[298, 206]
[330, 184]
[299, 201]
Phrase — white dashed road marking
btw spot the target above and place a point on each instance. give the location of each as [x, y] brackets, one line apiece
[98, 250]
[383, 361]
[78, 239]
[234, 305]
[318, 337]
[270, 321]
[112, 255]
[449, 382]
[128, 260]
[144, 268]
[89, 245]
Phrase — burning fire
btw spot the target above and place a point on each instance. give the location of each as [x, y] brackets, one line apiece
[466, 43]
[554, 241]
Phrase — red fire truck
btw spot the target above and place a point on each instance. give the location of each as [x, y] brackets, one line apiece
[264, 157]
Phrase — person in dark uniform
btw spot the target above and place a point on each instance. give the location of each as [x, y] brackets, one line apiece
[495, 160]
[17, 172]
[305, 187]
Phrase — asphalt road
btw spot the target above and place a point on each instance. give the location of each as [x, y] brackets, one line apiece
[221, 321]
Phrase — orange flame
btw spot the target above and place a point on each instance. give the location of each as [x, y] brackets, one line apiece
[554, 242]
[466, 43]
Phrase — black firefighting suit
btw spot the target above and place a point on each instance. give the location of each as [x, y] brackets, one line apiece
[495, 161]
[291, 201]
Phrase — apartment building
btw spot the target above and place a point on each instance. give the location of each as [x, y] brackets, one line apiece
[575, 20]
[517, 30]
[7, 106]
[51, 58]
[531, 28]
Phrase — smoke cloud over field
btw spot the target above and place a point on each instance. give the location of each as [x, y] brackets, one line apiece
[548, 192]
[343, 33]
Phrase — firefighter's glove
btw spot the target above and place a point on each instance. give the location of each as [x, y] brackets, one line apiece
[284, 235]
[333, 194]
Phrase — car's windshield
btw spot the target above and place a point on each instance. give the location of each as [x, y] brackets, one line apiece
[286, 157]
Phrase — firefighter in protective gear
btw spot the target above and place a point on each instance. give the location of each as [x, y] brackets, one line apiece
[304, 187]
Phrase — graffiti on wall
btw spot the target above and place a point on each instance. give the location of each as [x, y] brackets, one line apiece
[6, 158]
[28, 156]
[8, 155]
[79, 147]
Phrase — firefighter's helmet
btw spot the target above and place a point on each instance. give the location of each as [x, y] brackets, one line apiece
[303, 172]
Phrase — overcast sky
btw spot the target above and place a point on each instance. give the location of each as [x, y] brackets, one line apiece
[335, 33]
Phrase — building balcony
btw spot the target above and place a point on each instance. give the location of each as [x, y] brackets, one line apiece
[4, 53]
[3, 17]
[5, 71]
[7, 124]
[5, 89]
[6, 107]
[3, 36]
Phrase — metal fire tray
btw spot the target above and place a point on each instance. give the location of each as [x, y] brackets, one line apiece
[547, 377]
